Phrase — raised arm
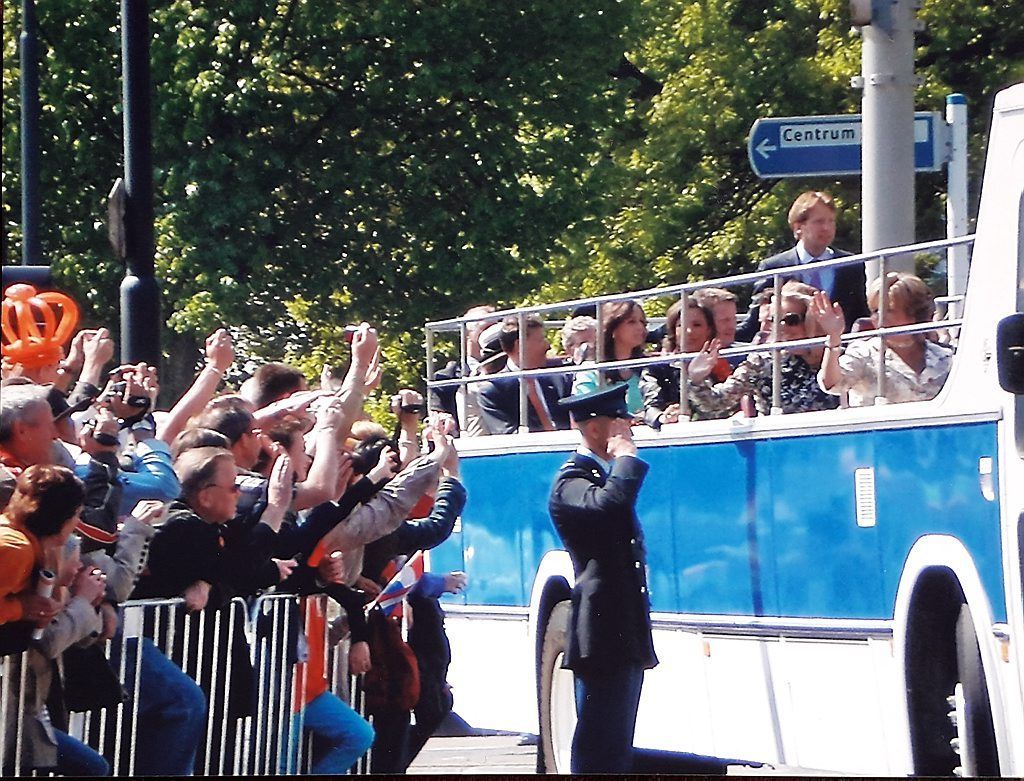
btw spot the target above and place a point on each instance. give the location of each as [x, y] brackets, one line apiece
[220, 354]
[830, 317]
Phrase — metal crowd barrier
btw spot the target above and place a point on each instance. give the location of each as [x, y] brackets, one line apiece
[254, 722]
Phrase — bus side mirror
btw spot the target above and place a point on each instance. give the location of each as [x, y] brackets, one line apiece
[1010, 353]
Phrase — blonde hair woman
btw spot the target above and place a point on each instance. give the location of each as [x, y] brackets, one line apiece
[915, 367]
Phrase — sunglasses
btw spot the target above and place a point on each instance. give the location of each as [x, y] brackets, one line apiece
[789, 319]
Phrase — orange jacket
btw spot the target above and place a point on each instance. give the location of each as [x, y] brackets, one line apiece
[20, 553]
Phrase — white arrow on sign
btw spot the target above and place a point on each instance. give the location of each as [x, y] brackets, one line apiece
[765, 147]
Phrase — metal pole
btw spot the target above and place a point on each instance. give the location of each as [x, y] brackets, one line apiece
[956, 200]
[887, 184]
[31, 251]
[140, 294]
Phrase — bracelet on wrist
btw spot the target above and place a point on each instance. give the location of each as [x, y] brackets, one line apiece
[216, 369]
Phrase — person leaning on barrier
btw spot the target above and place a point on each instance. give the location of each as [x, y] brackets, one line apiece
[397, 744]
[593, 508]
[812, 218]
[660, 383]
[579, 339]
[499, 397]
[460, 402]
[37, 523]
[799, 391]
[915, 366]
[624, 336]
[722, 304]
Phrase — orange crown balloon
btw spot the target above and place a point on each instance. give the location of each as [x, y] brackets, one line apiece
[36, 326]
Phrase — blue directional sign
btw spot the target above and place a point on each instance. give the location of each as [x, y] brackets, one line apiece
[831, 145]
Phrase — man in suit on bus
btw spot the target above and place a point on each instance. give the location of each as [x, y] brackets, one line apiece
[593, 507]
[812, 217]
[499, 398]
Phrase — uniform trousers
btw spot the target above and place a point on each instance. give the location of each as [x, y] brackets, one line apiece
[606, 704]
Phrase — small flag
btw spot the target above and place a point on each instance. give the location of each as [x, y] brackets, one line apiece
[400, 585]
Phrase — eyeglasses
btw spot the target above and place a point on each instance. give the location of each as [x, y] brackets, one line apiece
[789, 319]
[233, 488]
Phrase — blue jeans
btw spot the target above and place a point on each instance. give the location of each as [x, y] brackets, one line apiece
[172, 712]
[340, 735]
[606, 704]
[74, 758]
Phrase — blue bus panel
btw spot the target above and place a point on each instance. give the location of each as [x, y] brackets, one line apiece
[761, 527]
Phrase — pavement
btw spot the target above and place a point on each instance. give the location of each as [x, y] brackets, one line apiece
[477, 754]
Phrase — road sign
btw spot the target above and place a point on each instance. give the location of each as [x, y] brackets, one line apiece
[830, 145]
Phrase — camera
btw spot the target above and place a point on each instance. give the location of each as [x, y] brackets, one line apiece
[413, 408]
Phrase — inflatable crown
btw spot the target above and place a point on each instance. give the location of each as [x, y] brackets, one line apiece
[36, 326]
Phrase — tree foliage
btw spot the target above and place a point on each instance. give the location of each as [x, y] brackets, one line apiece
[684, 203]
[321, 162]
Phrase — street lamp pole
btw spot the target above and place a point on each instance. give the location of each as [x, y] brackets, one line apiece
[31, 251]
[140, 293]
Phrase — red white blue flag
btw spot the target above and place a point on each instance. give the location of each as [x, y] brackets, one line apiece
[398, 588]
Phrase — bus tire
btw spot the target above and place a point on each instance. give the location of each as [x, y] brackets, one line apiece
[557, 702]
[975, 730]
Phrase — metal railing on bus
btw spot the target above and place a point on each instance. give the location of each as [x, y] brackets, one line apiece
[681, 291]
[268, 741]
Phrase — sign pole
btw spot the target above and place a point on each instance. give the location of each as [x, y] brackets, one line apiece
[957, 261]
[887, 185]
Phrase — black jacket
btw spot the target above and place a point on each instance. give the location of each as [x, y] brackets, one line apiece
[185, 549]
[848, 288]
[499, 403]
[596, 518]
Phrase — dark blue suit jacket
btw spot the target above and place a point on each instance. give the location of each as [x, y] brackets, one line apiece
[499, 403]
[595, 515]
[848, 288]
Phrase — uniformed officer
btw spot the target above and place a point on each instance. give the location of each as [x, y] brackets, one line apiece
[593, 506]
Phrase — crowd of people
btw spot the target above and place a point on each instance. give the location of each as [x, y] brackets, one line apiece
[273, 489]
[816, 307]
[277, 488]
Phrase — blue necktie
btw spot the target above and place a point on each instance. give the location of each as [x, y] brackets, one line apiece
[812, 277]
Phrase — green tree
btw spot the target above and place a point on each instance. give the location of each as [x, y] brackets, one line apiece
[684, 203]
[329, 161]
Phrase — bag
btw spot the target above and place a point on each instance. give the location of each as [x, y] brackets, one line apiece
[89, 681]
[393, 682]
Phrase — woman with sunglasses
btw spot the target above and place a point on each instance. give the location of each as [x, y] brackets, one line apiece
[799, 387]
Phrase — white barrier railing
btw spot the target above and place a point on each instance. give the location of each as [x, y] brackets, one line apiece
[267, 739]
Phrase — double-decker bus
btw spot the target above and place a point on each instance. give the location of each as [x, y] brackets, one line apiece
[837, 590]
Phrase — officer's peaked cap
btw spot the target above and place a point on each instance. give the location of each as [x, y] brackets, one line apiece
[605, 402]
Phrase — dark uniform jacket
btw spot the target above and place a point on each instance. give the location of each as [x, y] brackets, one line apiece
[849, 288]
[595, 515]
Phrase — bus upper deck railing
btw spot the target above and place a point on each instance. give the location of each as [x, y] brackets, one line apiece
[268, 741]
[774, 345]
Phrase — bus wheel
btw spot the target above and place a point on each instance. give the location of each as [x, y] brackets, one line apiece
[970, 710]
[557, 694]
